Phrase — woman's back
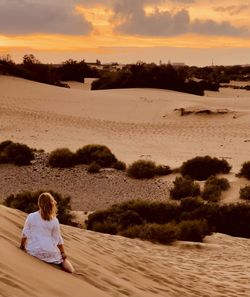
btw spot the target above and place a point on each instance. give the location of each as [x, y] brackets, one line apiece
[43, 237]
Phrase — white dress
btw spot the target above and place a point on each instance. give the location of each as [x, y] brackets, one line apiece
[42, 238]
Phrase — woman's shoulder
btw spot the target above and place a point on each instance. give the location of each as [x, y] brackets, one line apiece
[33, 214]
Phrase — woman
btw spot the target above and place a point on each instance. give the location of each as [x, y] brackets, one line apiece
[41, 235]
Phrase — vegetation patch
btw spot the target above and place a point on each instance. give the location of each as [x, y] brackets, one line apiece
[184, 187]
[15, 153]
[214, 187]
[100, 154]
[27, 202]
[245, 170]
[62, 157]
[147, 169]
[142, 169]
[200, 168]
[191, 220]
[245, 193]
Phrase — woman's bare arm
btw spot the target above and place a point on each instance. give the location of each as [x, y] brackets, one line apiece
[23, 243]
[61, 248]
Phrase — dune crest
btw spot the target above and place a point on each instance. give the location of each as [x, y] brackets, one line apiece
[115, 266]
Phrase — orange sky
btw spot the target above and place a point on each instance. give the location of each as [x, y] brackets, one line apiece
[132, 27]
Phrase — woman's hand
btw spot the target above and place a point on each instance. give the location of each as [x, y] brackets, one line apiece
[64, 256]
[23, 242]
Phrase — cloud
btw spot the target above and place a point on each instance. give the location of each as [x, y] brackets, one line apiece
[135, 21]
[233, 9]
[41, 16]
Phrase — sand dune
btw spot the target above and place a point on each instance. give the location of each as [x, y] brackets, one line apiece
[114, 266]
[134, 123]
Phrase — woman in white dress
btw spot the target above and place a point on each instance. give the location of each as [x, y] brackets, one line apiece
[41, 236]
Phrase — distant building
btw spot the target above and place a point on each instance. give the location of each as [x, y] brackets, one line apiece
[178, 64]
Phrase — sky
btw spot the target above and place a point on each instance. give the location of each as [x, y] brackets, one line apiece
[195, 32]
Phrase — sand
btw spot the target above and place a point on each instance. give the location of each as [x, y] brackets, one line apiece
[114, 266]
[135, 124]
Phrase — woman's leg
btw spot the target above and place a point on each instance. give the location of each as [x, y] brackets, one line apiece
[67, 266]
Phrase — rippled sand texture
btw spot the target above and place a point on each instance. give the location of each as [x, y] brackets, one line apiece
[114, 266]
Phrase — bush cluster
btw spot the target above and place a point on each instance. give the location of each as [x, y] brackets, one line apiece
[88, 154]
[146, 169]
[100, 154]
[192, 219]
[62, 157]
[245, 193]
[33, 69]
[142, 75]
[214, 187]
[184, 187]
[245, 170]
[200, 168]
[15, 153]
[27, 202]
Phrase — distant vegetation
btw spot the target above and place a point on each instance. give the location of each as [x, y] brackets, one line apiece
[147, 169]
[184, 187]
[161, 222]
[213, 188]
[62, 157]
[245, 193]
[33, 69]
[15, 153]
[143, 75]
[245, 170]
[186, 79]
[200, 168]
[27, 202]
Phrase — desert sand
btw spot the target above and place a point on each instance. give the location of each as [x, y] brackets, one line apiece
[135, 124]
[114, 266]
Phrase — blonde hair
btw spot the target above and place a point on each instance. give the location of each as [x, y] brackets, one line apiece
[47, 206]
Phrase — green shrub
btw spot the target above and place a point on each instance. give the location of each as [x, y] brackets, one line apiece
[245, 170]
[213, 188]
[119, 165]
[192, 219]
[62, 157]
[164, 234]
[184, 187]
[200, 168]
[27, 202]
[192, 230]
[16, 153]
[141, 169]
[233, 219]
[162, 170]
[211, 193]
[95, 153]
[222, 183]
[245, 193]
[94, 168]
[105, 227]
[190, 204]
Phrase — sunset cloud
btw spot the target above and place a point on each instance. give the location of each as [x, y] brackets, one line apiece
[41, 16]
[232, 9]
[166, 23]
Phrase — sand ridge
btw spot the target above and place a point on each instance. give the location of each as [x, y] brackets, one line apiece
[109, 265]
